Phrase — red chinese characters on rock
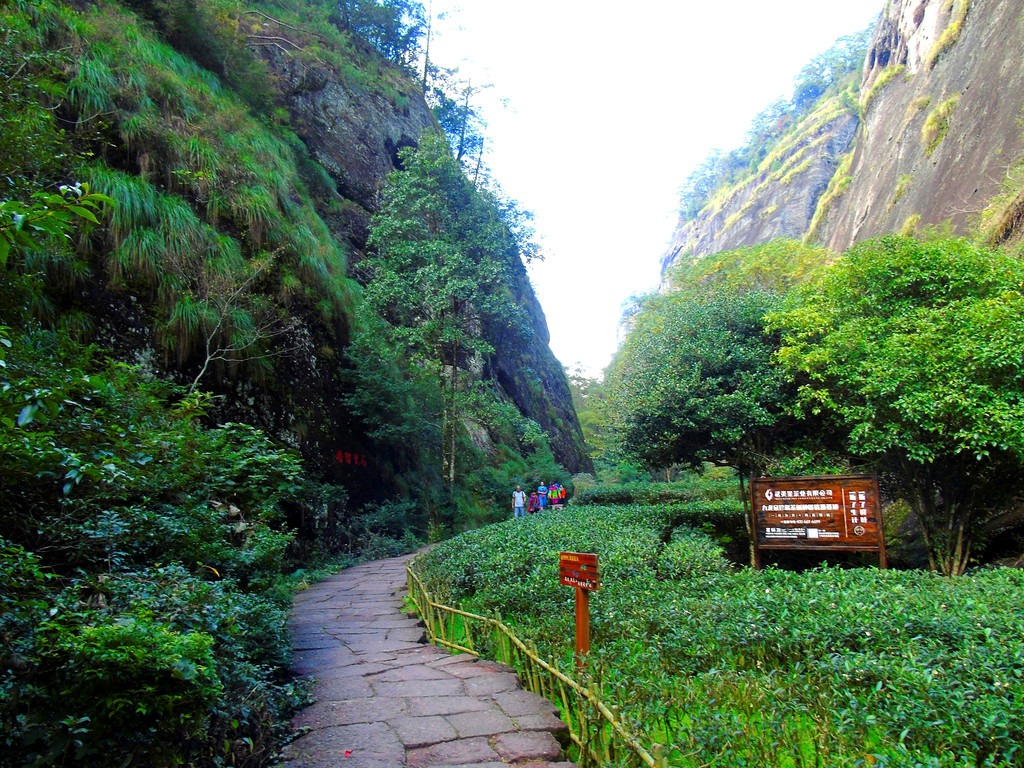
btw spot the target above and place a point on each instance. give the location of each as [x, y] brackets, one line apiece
[352, 459]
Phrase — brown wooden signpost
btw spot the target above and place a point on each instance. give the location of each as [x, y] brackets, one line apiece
[579, 569]
[822, 512]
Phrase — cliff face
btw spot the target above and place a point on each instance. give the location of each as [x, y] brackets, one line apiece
[246, 156]
[356, 136]
[929, 145]
[780, 199]
[534, 379]
[937, 140]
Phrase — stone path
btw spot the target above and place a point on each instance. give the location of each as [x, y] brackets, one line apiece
[386, 699]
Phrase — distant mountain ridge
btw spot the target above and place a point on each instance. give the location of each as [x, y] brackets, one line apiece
[933, 139]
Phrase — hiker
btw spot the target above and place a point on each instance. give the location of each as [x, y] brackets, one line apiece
[534, 503]
[555, 494]
[542, 494]
[519, 502]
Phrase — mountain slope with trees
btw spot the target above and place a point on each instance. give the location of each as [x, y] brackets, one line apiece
[204, 387]
[924, 144]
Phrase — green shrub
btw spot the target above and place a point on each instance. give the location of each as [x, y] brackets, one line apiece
[828, 667]
[690, 555]
[127, 689]
[724, 520]
[112, 659]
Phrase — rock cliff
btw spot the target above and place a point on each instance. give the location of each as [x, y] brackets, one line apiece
[780, 198]
[355, 135]
[246, 155]
[933, 141]
[937, 139]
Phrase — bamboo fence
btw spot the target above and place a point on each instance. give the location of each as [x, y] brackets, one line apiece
[595, 729]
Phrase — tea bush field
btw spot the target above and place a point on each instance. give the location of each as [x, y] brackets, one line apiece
[735, 667]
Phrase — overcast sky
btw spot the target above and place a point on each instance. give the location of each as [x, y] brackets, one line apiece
[609, 108]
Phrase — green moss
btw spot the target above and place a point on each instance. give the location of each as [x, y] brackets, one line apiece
[937, 124]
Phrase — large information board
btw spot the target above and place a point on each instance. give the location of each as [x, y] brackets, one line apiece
[841, 512]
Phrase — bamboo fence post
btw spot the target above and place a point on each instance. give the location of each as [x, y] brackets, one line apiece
[595, 729]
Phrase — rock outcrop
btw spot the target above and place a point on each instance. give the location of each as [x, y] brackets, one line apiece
[780, 199]
[356, 135]
[931, 143]
[937, 139]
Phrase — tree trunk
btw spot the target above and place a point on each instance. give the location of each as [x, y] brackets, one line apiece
[426, 49]
[465, 124]
[747, 522]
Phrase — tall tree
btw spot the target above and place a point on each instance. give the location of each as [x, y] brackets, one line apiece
[453, 104]
[694, 382]
[441, 262]
[393, 27]
[916, 347]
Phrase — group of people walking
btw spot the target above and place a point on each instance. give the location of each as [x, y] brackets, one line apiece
[545, 496]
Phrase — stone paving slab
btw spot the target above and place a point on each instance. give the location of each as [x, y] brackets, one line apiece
[486, 723]
[449, 705]
[385, 699]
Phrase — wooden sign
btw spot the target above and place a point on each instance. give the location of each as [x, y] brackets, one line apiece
[821, 512]
[579, 569]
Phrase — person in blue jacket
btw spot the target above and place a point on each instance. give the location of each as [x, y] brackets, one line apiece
[542, 493]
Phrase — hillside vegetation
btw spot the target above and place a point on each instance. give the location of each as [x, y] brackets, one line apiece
[206, 384]
[825, 667]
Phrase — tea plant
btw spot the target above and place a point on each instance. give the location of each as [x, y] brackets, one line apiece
[732, 667]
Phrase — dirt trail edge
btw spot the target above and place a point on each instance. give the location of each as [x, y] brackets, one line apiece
[384, 698]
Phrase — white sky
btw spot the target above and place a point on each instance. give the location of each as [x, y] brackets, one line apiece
[609, 108]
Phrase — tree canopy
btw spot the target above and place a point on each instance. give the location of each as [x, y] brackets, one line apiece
[694, 381]
[915, 346]
[442, 264]
[393, 27]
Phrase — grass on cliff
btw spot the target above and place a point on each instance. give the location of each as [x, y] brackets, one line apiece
[837, 185]
[1004, 215]
[210, 201]
[954, 26]
[936, 125]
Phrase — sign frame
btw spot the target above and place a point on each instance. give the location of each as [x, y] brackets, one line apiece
[822, 513]
[580, 570]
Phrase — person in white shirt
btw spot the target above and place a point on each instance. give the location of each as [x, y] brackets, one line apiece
[519, 501]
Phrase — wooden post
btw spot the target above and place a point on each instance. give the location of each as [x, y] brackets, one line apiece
[883, 562]
[580, 570]
[582, 626]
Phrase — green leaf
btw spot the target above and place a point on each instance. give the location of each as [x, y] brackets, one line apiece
[85, 213]
[28, 413]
